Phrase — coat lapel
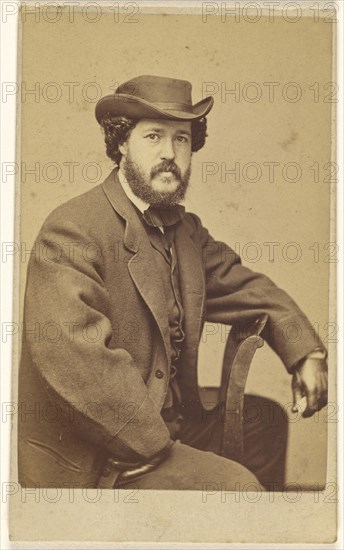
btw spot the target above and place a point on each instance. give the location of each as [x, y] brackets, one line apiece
[147, 279]
[141, 265]
[193, 296]
[192, 284]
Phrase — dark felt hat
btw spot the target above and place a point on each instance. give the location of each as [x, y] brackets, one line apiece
[153, 97]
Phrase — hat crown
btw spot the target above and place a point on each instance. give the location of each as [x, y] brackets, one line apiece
[149, 96]
[158, 89]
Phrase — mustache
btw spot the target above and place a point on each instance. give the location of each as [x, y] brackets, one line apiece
[166, 166]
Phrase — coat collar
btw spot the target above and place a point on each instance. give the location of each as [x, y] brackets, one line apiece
[143, 271]
[123, 206]
[141, 263]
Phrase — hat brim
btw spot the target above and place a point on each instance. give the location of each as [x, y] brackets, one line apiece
[134, 107]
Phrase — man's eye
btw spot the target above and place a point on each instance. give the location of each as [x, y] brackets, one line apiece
[182, 139]
[153, 137]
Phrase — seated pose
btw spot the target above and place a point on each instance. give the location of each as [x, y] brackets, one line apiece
[120, 285]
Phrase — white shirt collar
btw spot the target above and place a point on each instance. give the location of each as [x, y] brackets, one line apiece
[139, 203]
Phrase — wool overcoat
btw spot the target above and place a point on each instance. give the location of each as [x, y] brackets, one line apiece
[94, 369]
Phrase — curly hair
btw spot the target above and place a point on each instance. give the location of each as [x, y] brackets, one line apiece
[117, 130]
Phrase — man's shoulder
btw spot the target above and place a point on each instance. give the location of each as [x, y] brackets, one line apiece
[89, 213]
[80, 207]
[193, 223]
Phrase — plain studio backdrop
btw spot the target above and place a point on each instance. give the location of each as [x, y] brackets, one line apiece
[273, 131]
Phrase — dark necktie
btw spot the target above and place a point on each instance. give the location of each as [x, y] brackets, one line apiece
[165, 217]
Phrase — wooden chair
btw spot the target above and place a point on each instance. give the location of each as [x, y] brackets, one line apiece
[241, 346]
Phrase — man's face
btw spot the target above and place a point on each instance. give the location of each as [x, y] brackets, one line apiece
[156, 160]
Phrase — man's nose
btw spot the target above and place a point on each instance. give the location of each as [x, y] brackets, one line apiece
[167, 151]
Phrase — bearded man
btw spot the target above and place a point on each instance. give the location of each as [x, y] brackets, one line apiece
[129, 278]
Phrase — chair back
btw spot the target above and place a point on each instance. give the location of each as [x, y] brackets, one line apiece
[241, 345]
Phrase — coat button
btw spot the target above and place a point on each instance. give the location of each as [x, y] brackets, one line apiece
[159, 373]
[106, 472]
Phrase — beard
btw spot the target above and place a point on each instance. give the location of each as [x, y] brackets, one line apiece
[141, 185]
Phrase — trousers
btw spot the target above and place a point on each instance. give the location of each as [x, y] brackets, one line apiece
[194, 462]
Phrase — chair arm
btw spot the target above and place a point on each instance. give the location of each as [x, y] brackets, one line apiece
[240, 348]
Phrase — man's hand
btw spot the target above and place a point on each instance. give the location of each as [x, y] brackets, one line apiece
[310, 381]
[129, 474]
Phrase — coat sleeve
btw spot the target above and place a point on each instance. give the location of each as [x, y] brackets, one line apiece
[102, 386]
[235, 294]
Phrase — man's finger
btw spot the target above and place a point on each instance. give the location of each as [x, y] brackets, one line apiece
[297, 393]
[312, 403]
[324, 381]
[322, 402]
[322, 399]
[322, 391]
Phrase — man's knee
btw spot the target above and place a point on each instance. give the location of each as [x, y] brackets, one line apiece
[187, 468]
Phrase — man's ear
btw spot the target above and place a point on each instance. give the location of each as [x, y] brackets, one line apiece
[123, 148]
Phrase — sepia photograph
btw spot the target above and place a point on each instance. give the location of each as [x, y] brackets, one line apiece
[174, 328]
